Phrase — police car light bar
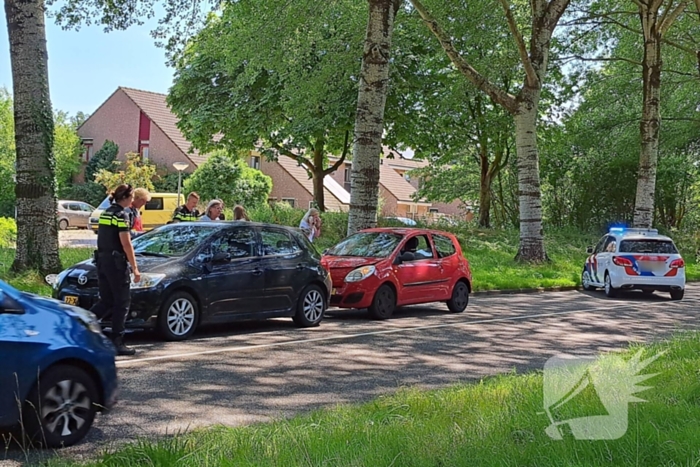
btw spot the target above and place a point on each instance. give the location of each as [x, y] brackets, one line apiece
[637, 231]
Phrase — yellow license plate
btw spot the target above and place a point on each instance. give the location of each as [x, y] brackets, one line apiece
[71, 300]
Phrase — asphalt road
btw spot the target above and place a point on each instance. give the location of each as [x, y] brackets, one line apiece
[259, 371]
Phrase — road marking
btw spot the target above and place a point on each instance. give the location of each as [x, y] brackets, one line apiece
[124, 363]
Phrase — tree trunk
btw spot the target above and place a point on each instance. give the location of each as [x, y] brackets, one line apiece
[649, 125]
[531, 231]
[485, 192]
[37, 229]
[369, 120]
[319, 174]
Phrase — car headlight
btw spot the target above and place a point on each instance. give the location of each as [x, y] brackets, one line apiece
[54, 280]
[147, 281]
[87, 318]
[360, 274]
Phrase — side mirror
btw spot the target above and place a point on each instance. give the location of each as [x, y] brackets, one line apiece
[326, 251]
[9, 305]
[589, 250]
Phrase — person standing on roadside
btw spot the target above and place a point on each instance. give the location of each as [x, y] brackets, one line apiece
[188, 212]
[239, 214]
[116, 261]
[311, 224]
[141, 197]
[212, 212]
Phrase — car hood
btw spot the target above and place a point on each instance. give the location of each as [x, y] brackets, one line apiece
[146, 264]
[345, 262]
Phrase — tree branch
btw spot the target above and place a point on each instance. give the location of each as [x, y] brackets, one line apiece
[555, 9]
[531, 76]
[601, 59]
[497, 94]
[340, 161]
[668, 21]
[301, 160]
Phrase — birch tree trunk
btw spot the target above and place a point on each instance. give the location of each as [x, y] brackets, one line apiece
[523, 107]
[531, 231]
[369, 120]
[653, 29]
[37, 229]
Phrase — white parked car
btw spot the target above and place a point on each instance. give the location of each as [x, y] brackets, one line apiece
[635, 259]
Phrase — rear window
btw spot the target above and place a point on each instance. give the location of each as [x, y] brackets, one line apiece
[155, 204]
[444, 246]
[648, 246]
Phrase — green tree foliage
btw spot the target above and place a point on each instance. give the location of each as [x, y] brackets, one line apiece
[230, 180]
[67, 150]
[296, 99]
[7, 155]
[167, 183]
[104, 158]
[134, 171]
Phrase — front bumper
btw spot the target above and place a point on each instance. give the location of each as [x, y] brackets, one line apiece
[352, 295]
[143, 310]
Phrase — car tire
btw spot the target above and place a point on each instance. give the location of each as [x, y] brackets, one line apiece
[460, 298]
[63, 224]
[677, 294]
[586, 280]
[178, 317]
[610, 291]
[310, 308]
[383, 303]
[65, 399]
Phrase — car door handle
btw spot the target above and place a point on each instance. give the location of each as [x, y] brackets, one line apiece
[257, 271]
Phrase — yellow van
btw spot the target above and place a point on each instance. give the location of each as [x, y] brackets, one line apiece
[158, 211]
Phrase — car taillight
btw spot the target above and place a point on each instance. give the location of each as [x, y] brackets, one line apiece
[677, 263]
[620, 261]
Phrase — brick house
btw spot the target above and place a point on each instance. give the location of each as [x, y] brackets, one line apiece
[141, 122]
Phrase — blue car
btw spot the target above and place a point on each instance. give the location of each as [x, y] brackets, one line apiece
[57, 369]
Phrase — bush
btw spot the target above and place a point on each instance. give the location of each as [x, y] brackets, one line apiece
[8, 232]
[168, 183]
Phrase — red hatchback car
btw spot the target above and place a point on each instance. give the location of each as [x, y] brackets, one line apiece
[381, 269]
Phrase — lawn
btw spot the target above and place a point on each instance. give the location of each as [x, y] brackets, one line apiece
[490, 252]
[497, 422]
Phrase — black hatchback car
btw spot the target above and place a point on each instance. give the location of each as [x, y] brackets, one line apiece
[213, 272]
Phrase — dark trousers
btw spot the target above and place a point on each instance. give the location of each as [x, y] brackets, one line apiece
[115, 295]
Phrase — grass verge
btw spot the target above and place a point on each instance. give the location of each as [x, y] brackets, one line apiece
[32, 281]
[496, 422]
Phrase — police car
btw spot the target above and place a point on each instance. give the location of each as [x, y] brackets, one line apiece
[635, 259]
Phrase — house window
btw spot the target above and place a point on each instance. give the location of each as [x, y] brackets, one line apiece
[347, 175]
[255, 162]
[143, 150]
[289, 201]
[433, 210]
[87, 149]
[347, 184]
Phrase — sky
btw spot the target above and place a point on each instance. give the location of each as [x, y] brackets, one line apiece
[87, 66]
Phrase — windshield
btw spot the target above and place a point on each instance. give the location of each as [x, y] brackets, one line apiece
[370, 245]
[104, 204]
[177, 240]
[648, 246]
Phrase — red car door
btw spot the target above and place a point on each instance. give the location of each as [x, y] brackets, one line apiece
[418, 277]
[448, 265]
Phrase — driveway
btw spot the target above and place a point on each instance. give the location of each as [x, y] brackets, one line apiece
[259, 371]
[77, 238]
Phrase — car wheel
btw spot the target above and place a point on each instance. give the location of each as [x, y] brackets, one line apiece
[610, 291]
[310, 307]
[178, 317]
[63, 224]
[586, 280]
[383, 303]
[460, 298]
[61, 407]
[677, 294]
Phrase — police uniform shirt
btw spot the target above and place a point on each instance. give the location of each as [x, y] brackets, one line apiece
[183, 214]
[113, 220]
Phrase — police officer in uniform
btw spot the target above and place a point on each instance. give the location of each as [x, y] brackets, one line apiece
[115, 260]
[187, 212]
